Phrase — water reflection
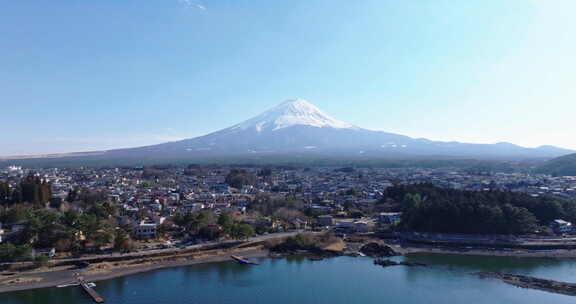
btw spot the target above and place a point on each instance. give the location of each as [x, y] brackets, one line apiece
[335, 281]
[64, 295]
[477, 263]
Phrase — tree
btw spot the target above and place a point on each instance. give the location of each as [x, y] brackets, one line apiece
[265, 172]
[226, 222]
[97, 232]
[45, 190]
[519, 220]
[210, 232]
[11, 253]
[72, 220]
[30, 191]
[122, 240]
[182, 220]
[42, 228]
[34, 190]
[41, 261]
[17, 196]
[66, 244]
[193, 222]
[240, 178]
[103, 210]
[72, 195]
[288, 214]
[162, 230]
[4, 193]
[352, 192]
[14, 214]
[241, 231]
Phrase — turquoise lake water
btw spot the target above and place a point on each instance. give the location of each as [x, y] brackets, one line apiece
[448, 279]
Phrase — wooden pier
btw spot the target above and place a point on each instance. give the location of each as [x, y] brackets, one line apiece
[95, 296]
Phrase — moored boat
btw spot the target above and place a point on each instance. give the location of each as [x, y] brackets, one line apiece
[243, 260]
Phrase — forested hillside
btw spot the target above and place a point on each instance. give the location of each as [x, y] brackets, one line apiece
[561, 166]
[427, 208]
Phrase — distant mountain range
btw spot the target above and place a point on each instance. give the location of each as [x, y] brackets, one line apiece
[297, 128]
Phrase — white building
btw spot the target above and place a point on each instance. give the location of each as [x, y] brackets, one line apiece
[145, 230]
[561, 226]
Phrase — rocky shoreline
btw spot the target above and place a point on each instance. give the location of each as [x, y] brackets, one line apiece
[387, 263]
[479, 251]
[317, 249]
[532, 282]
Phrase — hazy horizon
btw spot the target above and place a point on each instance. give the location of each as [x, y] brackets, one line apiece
[89, 76]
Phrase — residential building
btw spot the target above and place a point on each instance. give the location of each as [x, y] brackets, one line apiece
[325, 220]
[145, 230]
[561, 226]
[389, 218]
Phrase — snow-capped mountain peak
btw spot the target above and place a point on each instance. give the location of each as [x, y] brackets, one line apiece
[297, 131]
[292, 113]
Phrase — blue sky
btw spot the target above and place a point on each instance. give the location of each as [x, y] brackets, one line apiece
[90, 75]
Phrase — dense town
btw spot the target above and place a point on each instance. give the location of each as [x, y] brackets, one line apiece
[132, 209]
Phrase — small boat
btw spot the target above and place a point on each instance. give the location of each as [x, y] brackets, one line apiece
[67, 285]
[243, 260]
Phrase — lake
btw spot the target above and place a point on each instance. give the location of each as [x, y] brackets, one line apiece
[448, 279]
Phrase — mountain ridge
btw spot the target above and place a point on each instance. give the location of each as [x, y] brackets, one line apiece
[297, 127]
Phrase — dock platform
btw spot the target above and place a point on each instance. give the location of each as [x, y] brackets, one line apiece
[90, 291]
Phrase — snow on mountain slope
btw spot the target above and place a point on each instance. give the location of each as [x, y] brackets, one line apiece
[292, 113]
[296, 127]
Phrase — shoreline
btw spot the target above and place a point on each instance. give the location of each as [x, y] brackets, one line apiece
[517, 253]
[522, 281]
[107, 270]
[60, 277]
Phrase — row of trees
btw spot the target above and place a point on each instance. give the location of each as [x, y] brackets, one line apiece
[206, 225]
[429, 208]
[238, 178]
[67, 232]
[5, 193]
[66, 229]
[31, 190]
[10, 252]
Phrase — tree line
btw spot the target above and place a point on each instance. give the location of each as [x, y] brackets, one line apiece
[31, 189]
[427, 208]
[205, 224]
[239, 178]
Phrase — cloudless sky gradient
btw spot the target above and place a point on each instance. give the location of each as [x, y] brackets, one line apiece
[79, 75]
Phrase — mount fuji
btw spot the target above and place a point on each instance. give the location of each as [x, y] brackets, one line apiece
[297, 127]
